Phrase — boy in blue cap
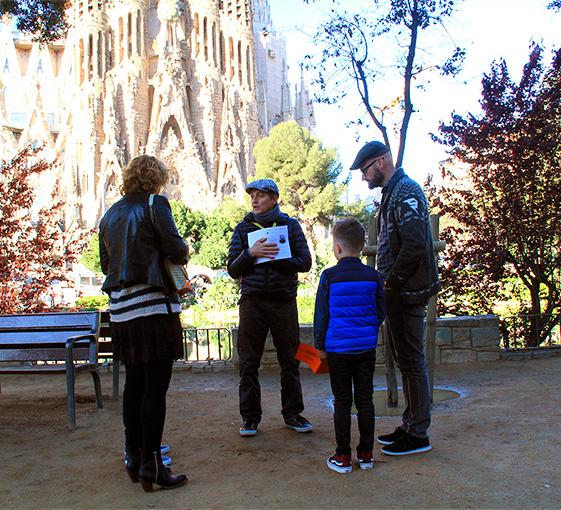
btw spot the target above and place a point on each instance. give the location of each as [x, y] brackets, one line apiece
[268, 303]
[349, 310]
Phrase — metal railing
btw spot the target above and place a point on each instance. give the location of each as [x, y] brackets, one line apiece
[207, 344]
[531, 331]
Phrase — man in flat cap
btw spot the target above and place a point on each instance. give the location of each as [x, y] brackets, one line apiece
[268, 303]
[405, 258]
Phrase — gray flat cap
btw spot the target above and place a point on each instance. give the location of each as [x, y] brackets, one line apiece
[369, 151]
[267, 185]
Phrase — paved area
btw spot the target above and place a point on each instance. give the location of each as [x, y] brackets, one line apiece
[497, 446]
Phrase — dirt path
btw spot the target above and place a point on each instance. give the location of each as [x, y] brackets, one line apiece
[498, 446]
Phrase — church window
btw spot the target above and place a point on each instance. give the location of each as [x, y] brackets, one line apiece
[222, 53]
[99, 54]
[121, 36]
[214, 44]
[240, 77]
[231, 57]
[248, 66]
[90, 56]
[81, 61]
[196, 34]
[129, 35]
[205, 37]
[139, 32]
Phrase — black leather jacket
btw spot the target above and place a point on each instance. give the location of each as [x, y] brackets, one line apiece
[131, 250]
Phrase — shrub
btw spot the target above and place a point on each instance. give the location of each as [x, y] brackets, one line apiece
[93, 302]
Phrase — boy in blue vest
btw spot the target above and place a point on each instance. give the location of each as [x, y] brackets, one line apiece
[349, 309]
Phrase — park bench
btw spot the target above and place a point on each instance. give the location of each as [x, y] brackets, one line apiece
[52, 343]
[106, 350]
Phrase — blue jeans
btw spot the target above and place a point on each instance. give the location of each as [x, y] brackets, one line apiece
[345, 372]
[405, 328]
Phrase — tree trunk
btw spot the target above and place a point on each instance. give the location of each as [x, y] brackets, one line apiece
[532, 336]
[310, 237]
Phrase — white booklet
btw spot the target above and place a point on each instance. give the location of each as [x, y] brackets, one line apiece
[278, 235]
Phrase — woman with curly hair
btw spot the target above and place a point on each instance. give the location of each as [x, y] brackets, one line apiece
[134, 239]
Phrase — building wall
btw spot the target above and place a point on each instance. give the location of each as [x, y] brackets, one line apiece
[173, 79]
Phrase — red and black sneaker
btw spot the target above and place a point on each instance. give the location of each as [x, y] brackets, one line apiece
[365, 460]
[340, 463]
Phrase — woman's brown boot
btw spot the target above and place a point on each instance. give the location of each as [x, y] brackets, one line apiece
[132, 462]
[152, 471]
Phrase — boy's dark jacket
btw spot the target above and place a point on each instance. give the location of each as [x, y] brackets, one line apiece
[349, 308]
[277, 279]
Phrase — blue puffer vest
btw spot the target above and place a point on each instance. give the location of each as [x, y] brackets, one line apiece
[355, 307]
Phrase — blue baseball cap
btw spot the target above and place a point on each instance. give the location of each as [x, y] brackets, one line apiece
[267, 185]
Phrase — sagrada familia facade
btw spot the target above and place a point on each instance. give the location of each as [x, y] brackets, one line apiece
[174, 79]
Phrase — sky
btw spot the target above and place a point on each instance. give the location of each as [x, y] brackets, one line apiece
[488, 29]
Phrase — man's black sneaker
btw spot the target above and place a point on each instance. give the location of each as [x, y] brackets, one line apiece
[407, 445]
[391, 438]
[248, 428]
[299, 424]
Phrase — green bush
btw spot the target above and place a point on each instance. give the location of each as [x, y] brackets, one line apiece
[90, 257]
[306, 301]
[93, 302]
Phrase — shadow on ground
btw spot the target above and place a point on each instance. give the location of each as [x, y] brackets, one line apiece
[497, 446]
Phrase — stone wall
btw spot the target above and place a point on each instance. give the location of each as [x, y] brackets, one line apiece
[458, 340]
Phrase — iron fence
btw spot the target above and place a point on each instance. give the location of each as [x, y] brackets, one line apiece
[531, 330]
[207, 344]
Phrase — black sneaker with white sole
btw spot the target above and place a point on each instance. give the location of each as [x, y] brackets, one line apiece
[407, 445]
[299, 424]
[248, 428]
[391, 438]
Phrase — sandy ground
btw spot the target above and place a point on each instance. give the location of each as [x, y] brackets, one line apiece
[497, 446]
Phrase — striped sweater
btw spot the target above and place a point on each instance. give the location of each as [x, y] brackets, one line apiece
[140, 301]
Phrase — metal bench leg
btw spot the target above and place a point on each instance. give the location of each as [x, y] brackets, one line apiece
[70, 398]
[97, 386]
[116, 365]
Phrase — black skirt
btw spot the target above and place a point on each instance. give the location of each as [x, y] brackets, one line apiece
[154, 338]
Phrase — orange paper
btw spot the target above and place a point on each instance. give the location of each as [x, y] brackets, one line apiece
[310, 356]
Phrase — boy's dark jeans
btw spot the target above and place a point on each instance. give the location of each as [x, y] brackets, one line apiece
[257, 317]
[345, 372]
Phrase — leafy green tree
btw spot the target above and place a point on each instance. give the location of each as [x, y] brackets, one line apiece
[506, 207]
[44, 19]
[306, 173]
[90, 258]
[358, 210]
[190, 224]
[212, 249]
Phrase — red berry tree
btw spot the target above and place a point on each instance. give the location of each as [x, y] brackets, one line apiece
[36, 247]
[505, 212]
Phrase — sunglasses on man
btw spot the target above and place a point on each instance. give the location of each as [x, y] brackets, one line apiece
[367, 167]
